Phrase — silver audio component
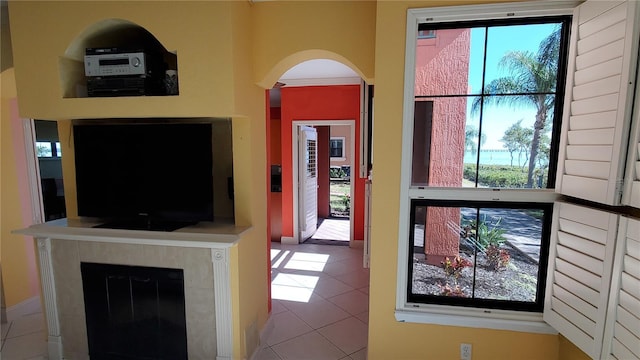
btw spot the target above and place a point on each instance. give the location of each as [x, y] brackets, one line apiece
[116, 64]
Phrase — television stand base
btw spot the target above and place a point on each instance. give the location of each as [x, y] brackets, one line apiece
[145, 224]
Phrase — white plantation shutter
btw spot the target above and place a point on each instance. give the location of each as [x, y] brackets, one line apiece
[579, 274]
[622, 329]
[631, 194]
[598, 102]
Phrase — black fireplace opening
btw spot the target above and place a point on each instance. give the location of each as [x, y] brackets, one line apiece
[134, 312]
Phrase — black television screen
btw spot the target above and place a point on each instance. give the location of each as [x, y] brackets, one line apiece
[144, 175]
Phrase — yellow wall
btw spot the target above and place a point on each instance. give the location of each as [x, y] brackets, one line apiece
[19, 277]
[250, 277]
[289, 32]
[198, 31]
[216, 80]
[568, 351]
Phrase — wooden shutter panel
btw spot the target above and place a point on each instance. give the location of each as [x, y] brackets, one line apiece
[579, 274]
[622, 330]
[597, 113]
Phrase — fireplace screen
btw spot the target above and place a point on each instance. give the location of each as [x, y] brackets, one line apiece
[134, 312]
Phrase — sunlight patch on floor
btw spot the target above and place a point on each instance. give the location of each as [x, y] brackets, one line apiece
[277, 257]
[307, 261]
[293, 287]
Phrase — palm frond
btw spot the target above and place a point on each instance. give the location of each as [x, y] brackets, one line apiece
[549, 49]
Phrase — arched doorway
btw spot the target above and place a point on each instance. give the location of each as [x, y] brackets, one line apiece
[322, 93]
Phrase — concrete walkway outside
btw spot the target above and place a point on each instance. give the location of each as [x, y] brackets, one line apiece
[333, 229]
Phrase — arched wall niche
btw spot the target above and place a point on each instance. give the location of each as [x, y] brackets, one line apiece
[108, 33]
[291, 60]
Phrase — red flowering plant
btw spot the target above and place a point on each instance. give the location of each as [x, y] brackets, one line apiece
[447, 290]
[453, 268]
[497, 258]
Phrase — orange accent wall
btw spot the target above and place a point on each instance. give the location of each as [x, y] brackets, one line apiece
[275, 158]
[323, 172]
[268, 134]
[321, 103]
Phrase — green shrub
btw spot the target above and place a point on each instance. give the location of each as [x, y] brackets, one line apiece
[497, 175]
[337, 173]
[486, 233]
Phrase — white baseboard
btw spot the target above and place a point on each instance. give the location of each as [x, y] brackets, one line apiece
[27, 307]
[264, 335]
[288, 240]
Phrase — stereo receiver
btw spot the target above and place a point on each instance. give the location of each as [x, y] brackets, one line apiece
[100, 62]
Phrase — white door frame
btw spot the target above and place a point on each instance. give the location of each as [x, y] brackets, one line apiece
[308, 181]
[33, 171]
[294, 152]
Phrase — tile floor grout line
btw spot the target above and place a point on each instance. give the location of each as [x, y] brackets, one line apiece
[4, 338]
[332, 343]
[31, 332]
[298, 335]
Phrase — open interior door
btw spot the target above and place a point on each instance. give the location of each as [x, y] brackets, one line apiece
[307, 181]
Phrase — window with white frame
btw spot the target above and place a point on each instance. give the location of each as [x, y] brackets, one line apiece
[482, 120]
[336, 147]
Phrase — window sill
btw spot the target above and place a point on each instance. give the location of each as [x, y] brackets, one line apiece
[338, 158]
[476, 318]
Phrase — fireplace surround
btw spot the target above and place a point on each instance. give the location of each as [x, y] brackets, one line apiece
[201, 251]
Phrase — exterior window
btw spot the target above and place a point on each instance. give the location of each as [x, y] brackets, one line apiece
[426, 34]
[336, 147]
[480, 152]
[487, 105]
[500, 253]
[46, 149]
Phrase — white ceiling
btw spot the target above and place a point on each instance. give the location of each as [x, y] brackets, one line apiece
[319, 70]
[315, 72]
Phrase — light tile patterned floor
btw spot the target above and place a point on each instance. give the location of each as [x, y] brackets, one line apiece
[24, 338]
[320, 305]
[320, 308]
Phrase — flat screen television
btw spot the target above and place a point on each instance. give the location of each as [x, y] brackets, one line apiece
[148, 175]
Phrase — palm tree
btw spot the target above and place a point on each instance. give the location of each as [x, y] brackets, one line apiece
[531, 78]
[471, 139]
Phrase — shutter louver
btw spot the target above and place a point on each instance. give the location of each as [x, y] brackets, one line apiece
[579, 274]
[598, 101]
[623, 322]
[632, 189]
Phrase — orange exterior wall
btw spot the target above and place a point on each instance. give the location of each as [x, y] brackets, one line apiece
[442, 66]
[319, 103]
[345, 132]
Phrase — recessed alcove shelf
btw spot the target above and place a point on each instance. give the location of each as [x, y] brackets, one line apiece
[113, 33]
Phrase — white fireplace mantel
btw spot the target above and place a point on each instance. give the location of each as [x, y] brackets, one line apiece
[213, 238]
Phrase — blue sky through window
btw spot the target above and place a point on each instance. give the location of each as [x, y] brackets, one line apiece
[501, 40]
